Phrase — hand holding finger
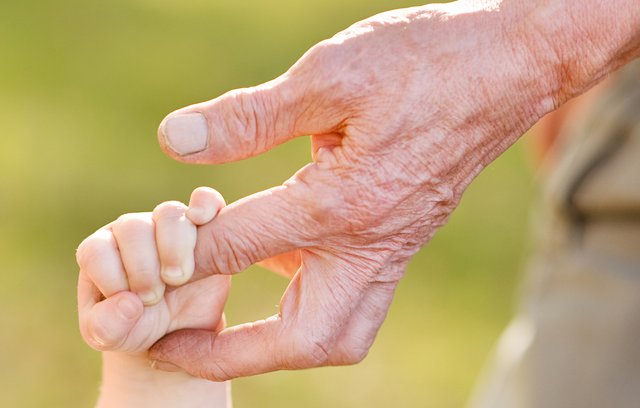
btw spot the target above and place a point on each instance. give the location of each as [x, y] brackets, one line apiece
[99, 258]
[312, 315]
[135, 237]
[175, 237]
[105, 324]
[176, 232]
[204, 205]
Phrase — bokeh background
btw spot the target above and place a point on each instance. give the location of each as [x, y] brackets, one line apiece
[83, 86]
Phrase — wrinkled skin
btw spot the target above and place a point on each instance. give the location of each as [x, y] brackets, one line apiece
[404, 109]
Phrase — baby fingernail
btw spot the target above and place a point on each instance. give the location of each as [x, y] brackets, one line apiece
[150, 297]
[172, 272]
[185, 133]
[172, 275]
[99, 341]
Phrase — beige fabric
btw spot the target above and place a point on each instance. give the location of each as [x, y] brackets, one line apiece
[576, 339]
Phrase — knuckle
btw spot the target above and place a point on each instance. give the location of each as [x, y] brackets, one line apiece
[321, 200]
[92, 249]
[354, 204]
[335, 74]
[129, 222]
[322, 87]
[169, 209]
[352, 351]
[355, 356]
[310, 352]
[215, 371]
[319, 57]
[85, 252]
[229, 254]
[344, 212]
[263, 117]
[329, 211]
[247, 120]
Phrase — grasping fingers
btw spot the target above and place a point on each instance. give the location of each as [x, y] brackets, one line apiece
[204, 205]
[135, 237]
[104, 323]
[120, 273]
[176, 232]
[304, 334]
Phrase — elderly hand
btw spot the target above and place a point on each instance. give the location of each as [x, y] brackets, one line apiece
[404, 109]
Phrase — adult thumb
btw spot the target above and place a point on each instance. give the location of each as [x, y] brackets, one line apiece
[245, 122]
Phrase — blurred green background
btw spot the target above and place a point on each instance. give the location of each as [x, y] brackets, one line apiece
[83, 86]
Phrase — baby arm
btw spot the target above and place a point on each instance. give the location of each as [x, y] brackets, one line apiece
[133, 289]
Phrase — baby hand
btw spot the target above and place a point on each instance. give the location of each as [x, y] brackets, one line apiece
[129, 292]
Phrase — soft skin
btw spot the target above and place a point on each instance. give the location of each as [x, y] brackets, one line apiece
[405, 109]
[127, 301]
